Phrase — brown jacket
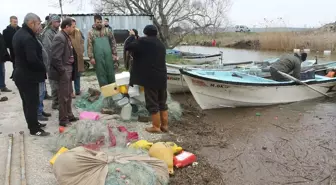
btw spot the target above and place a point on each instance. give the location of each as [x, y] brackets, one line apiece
[78, 44]
[61, 50]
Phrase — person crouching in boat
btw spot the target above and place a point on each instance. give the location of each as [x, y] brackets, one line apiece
[149, 70]
[287, 64]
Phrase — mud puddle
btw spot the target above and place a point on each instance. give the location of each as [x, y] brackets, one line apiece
[285, 144]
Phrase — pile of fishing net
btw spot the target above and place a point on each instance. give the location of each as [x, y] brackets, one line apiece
[100, 149]
[138, 106]
[117, 166]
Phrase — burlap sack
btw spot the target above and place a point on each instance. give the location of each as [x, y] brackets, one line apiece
[81, 166]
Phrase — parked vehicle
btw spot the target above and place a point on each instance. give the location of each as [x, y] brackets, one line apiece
[242, 28]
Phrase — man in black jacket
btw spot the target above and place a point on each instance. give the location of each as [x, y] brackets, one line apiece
[30, 71]
[149, 70]
[8, 34]
[4, 56]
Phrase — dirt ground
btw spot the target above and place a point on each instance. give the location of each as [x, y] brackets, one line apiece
[285, 144]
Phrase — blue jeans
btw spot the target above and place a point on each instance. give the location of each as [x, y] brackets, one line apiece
[2, 75]
[42, 94]
[77, 83]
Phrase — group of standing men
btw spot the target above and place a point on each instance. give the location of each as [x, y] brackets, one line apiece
[58, 55]
[38, 53]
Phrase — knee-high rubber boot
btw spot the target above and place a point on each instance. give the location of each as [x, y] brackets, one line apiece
[164, 121]
[156, 123]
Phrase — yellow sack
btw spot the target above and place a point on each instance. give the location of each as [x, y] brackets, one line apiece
[143, 144]
[89, 167]
[60, 151]
[164, 152]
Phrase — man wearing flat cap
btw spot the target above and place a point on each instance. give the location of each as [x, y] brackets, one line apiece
[149, 70]
[47, 38]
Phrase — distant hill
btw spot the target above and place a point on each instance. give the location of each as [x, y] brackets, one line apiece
[331, 27]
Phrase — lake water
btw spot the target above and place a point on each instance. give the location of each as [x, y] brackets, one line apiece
[242, 55]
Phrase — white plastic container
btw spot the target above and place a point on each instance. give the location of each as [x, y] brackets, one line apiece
[123, 102]
[306, 50]
[296, 50]
[327, 52]
[134, 101]
[122, 78]
[126, 112]
[117, 97]
[133, 91]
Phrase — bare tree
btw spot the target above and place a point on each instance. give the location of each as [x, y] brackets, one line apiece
[192, 15]
[60, 3]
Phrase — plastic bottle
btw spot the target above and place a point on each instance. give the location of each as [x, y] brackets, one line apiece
[126, 112]
[117, 97]
[123, 102]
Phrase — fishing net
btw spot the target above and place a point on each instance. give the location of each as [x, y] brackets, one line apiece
[125, 166]
[92, 134]
[133, 172]
[100, 136]
[138, 107]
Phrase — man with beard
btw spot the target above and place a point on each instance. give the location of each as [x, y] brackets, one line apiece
[30, 71]
[63, 68]
[47, 38]
[102, 51]
[8, 34]
[107, 23]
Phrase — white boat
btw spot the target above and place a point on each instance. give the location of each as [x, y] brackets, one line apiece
[176, 84]
[219, 89]
[203, 59]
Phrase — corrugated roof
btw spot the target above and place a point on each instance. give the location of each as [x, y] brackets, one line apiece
[103, 14]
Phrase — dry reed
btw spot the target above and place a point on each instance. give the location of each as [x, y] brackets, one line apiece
[279, 41]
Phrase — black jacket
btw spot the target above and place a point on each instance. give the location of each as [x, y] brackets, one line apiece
[8, 34]
[28, 62]
[4, 56]
[149, 63]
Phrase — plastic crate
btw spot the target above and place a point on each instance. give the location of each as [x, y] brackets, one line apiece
[310, 74]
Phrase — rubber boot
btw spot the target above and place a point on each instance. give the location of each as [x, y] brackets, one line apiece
[164, 121]
[156, 122]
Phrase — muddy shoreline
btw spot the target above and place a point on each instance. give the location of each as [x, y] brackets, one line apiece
[285, 144]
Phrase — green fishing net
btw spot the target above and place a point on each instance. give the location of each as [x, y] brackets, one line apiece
[133, 172]
[87, 132]
[139, 108]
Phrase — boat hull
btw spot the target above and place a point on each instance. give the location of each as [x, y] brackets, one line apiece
[203, 60]
[213, 95]
[176, 84]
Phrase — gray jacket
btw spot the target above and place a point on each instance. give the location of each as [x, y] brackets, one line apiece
[47, 39]
[44, 54]
[289, 63]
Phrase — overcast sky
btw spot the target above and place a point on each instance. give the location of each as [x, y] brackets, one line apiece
[294, 13]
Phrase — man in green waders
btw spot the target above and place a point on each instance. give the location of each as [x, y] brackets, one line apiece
[102, 51]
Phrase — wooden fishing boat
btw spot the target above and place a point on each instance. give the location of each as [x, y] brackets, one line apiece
[219, 89]
[176, 84]
[195, 58]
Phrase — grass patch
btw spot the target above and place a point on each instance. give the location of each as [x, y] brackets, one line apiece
[175, 59]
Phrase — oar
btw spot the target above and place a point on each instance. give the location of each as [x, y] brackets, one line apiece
[300, 82]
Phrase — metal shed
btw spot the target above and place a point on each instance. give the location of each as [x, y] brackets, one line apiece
[117, 21]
